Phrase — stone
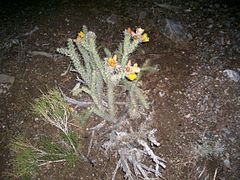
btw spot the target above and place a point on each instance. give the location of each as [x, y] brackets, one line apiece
[6, 83]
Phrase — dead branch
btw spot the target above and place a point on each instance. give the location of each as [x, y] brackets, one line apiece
[41, 53]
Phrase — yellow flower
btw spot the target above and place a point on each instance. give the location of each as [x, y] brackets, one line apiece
[145, 37]
[81, 34]
[136, 69]
[112, 62]
[79, 37]
[70, 109]
[132, 76]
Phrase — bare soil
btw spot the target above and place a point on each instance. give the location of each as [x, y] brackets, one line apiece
[194, 104]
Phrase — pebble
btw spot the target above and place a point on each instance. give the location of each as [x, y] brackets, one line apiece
[112, 19]
[233, 75]
[210, 20]
[161, 93]
[226, 131]
[6, 83]
[227, 163]
[187, 116]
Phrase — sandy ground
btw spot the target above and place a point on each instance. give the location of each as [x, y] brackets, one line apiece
[196, 106]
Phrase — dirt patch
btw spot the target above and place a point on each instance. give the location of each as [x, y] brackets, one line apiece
[195, 106]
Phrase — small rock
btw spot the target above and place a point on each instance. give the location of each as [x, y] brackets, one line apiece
[210, 20]
[227, 163]
[210, 26]
[6, 83]
[188, 10]
[112, 19]
[187, 116]
[67, 20]
[175, 31]
[161, 93]
[233, 75]
[232, 139]
[226, 131]
[189, 36]
[193, 74]
[6, 78]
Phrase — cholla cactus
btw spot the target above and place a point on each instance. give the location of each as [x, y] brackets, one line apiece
[101, 76]
[102, 79]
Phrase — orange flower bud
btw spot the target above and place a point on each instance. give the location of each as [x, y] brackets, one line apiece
[111, 62]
